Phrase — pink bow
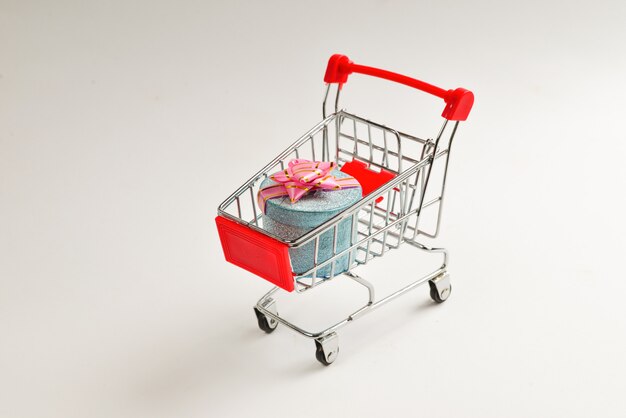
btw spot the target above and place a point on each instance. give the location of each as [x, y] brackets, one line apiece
[300, 177]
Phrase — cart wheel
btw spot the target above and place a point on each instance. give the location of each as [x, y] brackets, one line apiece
[440, 288]
[266, 324]
[327, 349]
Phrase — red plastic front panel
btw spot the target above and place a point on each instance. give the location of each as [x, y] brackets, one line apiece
[255, 252]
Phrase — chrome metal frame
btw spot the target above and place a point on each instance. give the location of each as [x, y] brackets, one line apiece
[377, 226]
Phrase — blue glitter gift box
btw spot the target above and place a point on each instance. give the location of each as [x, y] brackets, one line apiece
[289, 221]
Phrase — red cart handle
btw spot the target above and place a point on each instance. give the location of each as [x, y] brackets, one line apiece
[458, 102]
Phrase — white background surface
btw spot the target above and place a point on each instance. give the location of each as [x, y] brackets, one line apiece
[122, 127]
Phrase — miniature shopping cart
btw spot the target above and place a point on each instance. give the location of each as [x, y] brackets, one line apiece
[395, 172]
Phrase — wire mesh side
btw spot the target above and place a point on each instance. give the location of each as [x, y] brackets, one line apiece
[374, 225]
[391, 215]
[242, 205]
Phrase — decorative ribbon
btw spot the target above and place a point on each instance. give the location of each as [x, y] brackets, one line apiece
[302, 176]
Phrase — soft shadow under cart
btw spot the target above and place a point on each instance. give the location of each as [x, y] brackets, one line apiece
[395, 172]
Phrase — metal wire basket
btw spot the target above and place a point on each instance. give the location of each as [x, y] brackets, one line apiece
[395, 171]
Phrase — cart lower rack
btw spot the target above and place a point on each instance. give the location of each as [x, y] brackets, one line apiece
[395, 171]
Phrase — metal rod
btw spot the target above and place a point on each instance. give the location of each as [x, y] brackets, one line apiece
[370, 287]
[332, 266]
[324, 101]
[254, 207]
[369, 138]
[378, 148]
[369, 230]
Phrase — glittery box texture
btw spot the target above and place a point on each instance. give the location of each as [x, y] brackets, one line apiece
[291, 220]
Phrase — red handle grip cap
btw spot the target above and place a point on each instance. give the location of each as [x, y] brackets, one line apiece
[338, 69]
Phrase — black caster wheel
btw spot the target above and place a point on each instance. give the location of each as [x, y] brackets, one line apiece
[437, 295]
[327, 349]
[266, 324]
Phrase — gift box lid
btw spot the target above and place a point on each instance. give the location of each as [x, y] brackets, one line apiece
[312, 209]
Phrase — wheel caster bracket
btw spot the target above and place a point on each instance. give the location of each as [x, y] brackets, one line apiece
[327, 348]
[267, 323]
[440, 288]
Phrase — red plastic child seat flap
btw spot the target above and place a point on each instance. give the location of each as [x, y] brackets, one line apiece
[259, 254]
[370, 180]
